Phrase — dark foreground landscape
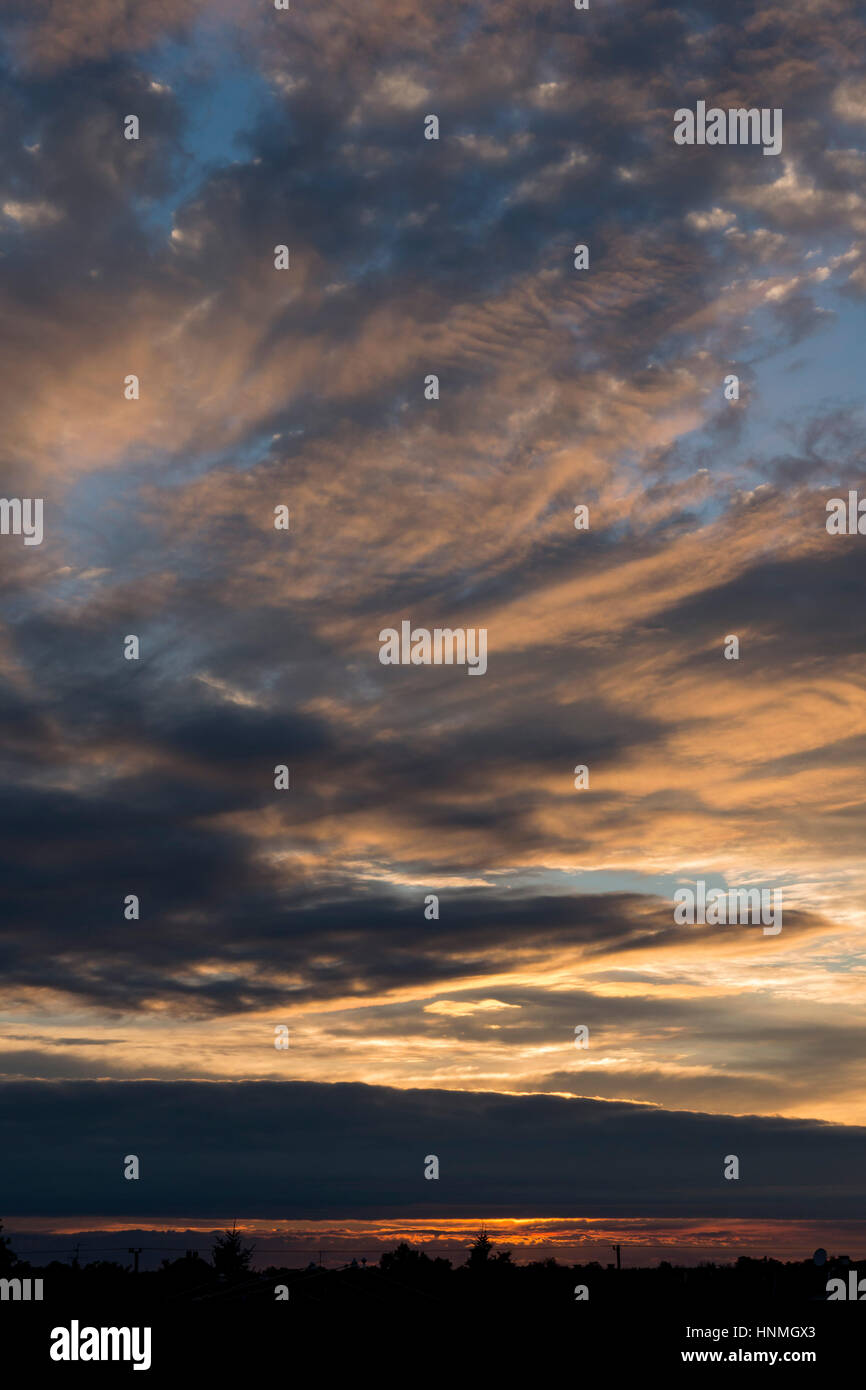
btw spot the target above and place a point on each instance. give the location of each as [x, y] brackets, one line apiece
[212, 1315]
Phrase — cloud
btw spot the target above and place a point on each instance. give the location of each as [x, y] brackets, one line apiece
[31, 214]
[714, 220]
[286, 1150]
[455, 1008]
[305, 388]
[849, 100]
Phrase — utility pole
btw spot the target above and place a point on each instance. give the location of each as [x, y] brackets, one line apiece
[76, 1248]
[618, 1260]
[132, 1250]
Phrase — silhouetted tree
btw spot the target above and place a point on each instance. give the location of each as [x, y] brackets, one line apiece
[411, 1265]
[230, 1256]
[189, 1272]
[8, 1258]
[479, 1250]
[480, 1257]
[402, 1259]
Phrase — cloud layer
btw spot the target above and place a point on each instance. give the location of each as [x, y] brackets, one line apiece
[304, 388]
[294, 1149]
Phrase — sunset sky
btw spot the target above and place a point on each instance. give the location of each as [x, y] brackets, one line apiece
[305, 388]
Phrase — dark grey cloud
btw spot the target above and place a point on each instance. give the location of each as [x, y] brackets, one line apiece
[293, 1149]
[205, 897]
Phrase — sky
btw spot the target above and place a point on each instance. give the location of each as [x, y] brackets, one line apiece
[259, 388]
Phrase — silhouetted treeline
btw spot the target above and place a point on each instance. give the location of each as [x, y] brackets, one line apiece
[408, 1276]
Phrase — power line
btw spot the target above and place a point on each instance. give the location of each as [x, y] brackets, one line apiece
[268, 1250]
